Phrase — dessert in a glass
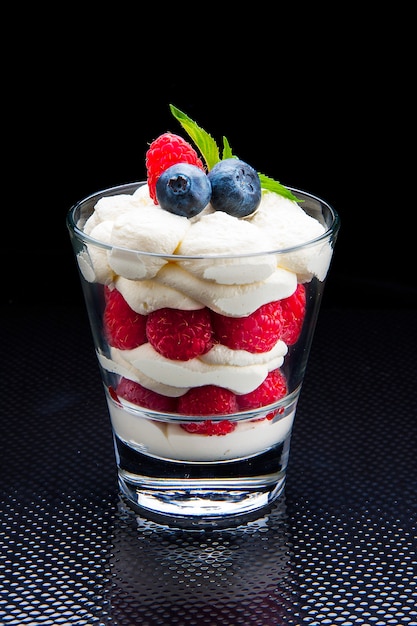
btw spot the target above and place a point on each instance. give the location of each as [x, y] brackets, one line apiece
[203, 286]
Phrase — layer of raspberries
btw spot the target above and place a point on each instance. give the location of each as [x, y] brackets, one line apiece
[184, 335]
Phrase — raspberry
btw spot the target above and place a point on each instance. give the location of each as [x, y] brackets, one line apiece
[272, 389]
[180, 335]
[123, 327]
[135, 393]
[207, 427]
[208, 400]
[293, 312]
[258, 332]
[168, 149]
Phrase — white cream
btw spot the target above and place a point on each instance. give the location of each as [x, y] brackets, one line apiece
[147, 228]
[145, 361]
[130, 226]
[174, 378]
[170, 441]
[145, 296]
[288, 225]
[136, 223]
[222, 355]
[218, 233]
[118, 365]
[107, 209]
[232, 300]
[93, 260]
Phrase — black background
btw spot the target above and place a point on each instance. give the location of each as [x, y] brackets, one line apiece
[322, 106]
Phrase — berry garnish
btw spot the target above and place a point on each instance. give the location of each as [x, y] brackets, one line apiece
[271, 390]
[293, 312]
[123, 327]
[168, 149]
[258, 332]
[146, 398]
[180, 335]
[210, 151]
[236, 188]
[208, 400]
[183, 189]
[208, 427]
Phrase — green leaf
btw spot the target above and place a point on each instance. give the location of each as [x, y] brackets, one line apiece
[210, 152]
[269, 184]
[204, 142]
[227, 151]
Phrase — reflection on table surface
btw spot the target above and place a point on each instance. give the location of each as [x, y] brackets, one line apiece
[338, 547]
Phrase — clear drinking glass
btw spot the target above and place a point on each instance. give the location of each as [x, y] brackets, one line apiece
[170, 470]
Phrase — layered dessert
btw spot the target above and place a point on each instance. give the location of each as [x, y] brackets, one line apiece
[204, 271]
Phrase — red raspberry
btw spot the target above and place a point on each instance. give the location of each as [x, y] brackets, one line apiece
[168, 149]
[293, 312]
[208, 400]
[258, 332]
[123, 327]
[180, 335]
[272, 389]
[135, 393]
[207, 427]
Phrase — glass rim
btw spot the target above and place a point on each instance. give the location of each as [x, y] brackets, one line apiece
[331, 230]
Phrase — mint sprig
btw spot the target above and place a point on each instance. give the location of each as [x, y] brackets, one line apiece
[211, 154]
[204, 142]
[269, 184]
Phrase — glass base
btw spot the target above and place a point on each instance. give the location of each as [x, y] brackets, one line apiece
[199, 494]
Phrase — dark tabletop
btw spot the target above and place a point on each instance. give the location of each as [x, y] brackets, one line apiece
[338, 548]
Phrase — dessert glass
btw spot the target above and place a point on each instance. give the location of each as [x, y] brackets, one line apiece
[165, 472]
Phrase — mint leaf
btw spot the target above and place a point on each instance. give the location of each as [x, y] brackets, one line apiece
[227, 150]
[204, 142]
[273, 185]
[210, 152]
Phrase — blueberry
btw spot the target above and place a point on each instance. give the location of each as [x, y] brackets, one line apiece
[183, 189]
[236, 188]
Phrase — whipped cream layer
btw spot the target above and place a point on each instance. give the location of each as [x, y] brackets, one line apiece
[219, 233]
[134, 222]
[170, 441]
[176, 288]
[289, 226]
[145, 296]
[237, 370]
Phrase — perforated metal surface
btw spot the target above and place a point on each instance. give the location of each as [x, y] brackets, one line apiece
[339, 548]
